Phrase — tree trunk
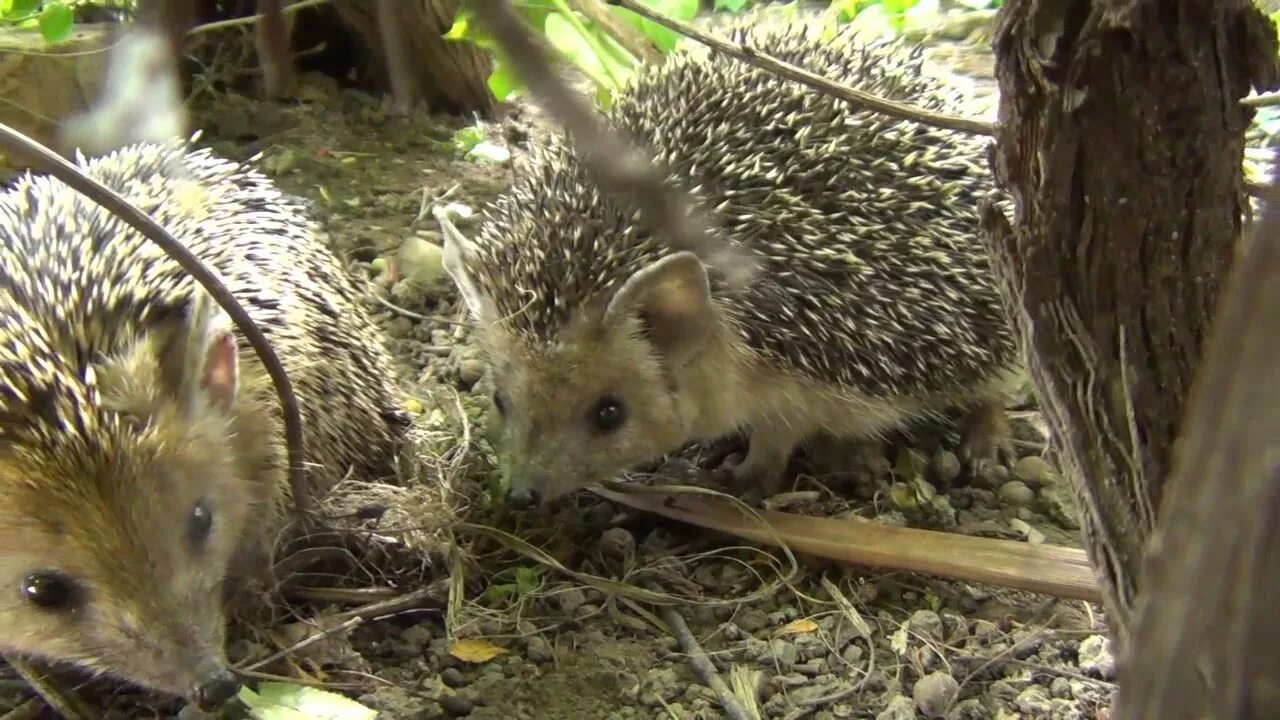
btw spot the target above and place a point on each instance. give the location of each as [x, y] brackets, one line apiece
[1206, 637]
[1121, 140]
[451, 76]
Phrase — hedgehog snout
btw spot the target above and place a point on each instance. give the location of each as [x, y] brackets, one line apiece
[215, 685]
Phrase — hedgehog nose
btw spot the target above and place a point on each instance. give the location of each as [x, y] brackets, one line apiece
[523, 498]
[216, 689]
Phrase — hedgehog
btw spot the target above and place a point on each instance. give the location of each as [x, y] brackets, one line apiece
[143, 470]
[875, 305]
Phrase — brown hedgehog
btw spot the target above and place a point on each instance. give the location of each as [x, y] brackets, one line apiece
[142, 458]
[875, 306]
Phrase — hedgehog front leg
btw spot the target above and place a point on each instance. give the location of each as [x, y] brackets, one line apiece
[987, 436]
[764, 469]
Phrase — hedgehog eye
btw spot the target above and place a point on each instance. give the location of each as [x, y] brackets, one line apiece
[199, 523]
[609, 414]
[51, 590]
[499, 402]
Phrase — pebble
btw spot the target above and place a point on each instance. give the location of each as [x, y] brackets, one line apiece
[660, 686]
[993, 475]
[899, 708]
[420, 262]
[1060, 688]
[617, 542]
[779, 652]
[1033, 470]
[946, 466]
[470, 370]
[538, 650]
[453, 677]
[970, 709]
[1034, 701]
[853, 654]
[934, 694]
[456, 705]
[1017, 494]
[571, 600]
[1096, 658]
[926, 623]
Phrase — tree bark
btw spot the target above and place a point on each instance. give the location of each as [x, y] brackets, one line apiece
[1206, 636]
[1121, 139]
[450, 76]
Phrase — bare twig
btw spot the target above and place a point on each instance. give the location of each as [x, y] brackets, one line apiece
[617, 167]
[764, 61]
[65, 704]
[703, 667]
[311, 639]
[57, 166]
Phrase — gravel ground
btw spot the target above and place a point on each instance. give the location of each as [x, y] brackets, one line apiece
[830, 643]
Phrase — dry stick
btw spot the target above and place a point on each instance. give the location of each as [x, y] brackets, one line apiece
[57, 166]
[396, 44]
[65, 704]
[251, 19]
[272, 41]
[703, 667]
[764, 61]
[616, 166]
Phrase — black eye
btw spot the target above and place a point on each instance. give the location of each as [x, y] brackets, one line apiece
[609, 414]
[499, 403]
[50, 590]
[199, 523]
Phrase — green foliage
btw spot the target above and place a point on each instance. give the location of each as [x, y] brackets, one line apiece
[54, 18]
[526, 581]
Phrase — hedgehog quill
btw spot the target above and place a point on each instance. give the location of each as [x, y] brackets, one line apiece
[875, 305]
[142, 460]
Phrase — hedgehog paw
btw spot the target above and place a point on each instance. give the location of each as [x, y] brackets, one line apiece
[987, 437]
[762, 472]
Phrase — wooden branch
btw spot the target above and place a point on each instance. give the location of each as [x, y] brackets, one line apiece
[627, 36]
[1058, 571]
[1206, 642]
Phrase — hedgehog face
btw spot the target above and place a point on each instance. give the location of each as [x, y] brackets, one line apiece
[115, 540]
[607, 393]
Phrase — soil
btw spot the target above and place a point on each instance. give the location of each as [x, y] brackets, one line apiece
[898, 646]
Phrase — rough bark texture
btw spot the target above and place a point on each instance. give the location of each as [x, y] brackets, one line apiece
[1206, 635]
[450, 76]
[1121, 140]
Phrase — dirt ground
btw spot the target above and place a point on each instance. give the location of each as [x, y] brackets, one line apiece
[904, 646]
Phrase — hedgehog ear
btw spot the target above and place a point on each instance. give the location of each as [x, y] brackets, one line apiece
[458, 252]
[209, 372]
[672, 297]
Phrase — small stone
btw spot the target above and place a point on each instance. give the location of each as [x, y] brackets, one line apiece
[985, 631]
[934, 693]
[853, 654]
[617, 542]
[470, 370]
[779, 652]
[1017, 494]
[453, 677]
[456, 705]
[1095, 657]
[420, 262]
[970, 709]
[926, 623]
[1060, 688]
[900, 707]
[1033, 701]
[538, 650]
[571, 600]
[1033, 470]
[660, 686]
[992, 476]
[946, 466]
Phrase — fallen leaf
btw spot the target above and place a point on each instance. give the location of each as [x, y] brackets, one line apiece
[474, 650]
[796, 627]
[286, 701]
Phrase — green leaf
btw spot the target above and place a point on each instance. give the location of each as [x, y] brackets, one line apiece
[286, 701]
[57, 22]
[732, 6]
[503, 82]
[25, 7]
[565, 38]
[499, 592]
[526, 580]
[665, 39]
